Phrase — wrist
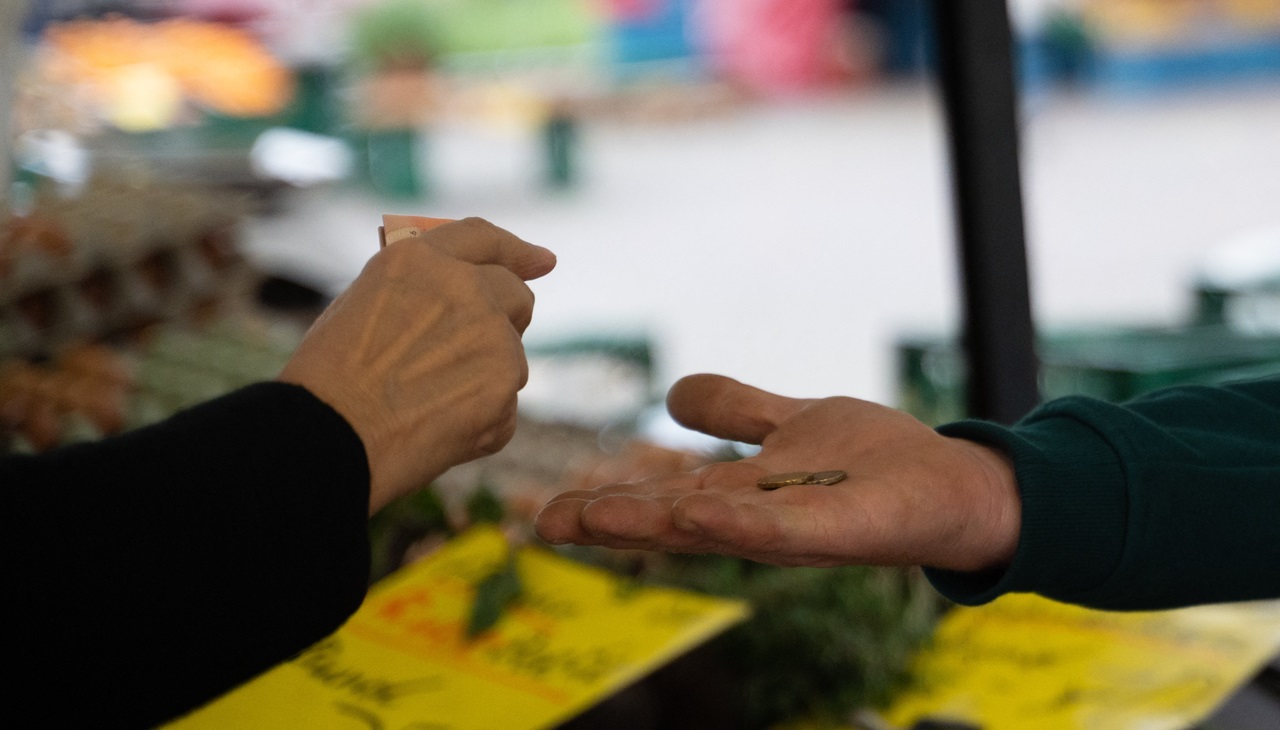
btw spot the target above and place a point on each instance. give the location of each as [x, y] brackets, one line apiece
[347, 405]
[996, 506]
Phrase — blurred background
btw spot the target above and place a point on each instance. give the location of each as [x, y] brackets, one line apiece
[752, 187]
[755, 188]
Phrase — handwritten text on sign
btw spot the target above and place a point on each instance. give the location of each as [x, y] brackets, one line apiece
[1025, 661]
[403, 661]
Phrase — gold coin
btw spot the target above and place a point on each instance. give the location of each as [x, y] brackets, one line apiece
[827, 477]
[784, 480]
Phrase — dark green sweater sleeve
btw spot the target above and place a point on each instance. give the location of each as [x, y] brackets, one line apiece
[147, 574]
[1168, 500]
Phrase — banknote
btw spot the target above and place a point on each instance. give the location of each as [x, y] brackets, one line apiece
[399, 227]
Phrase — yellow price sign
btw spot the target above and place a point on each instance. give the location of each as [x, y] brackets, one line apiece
[403, 661]
[1028, 662]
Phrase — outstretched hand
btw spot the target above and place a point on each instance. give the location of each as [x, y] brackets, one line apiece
[912, 496]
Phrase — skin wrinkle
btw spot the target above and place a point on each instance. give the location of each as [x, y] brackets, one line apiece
[492, 441]
[366, 341]
[820, 528]
[596, 517]
[994, 516]
[454, 401]
[516, 302]
[685, 513]
[447, 354]
[770, 539]
[385, 359]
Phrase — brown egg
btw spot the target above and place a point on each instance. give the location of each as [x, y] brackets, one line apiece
[9, 375]
[19, 376]
[15, 232]
[51, 386]
[98, 289]
[52, 239]
[13, 408]
[40, 425]
[39, 309]
[97, 361]
[217, 246]
[159, 271]
[100, 401]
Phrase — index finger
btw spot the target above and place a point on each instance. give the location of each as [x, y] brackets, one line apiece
[478, 241]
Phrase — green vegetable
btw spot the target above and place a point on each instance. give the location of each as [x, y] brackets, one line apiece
[494, 596]
[484, 506]
[402, 523]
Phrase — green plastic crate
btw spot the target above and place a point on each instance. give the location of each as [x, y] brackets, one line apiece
[1110, 364]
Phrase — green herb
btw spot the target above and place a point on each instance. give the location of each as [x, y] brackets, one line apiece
[820, 643]
[484, 506]
[494, 596]
[402, 523]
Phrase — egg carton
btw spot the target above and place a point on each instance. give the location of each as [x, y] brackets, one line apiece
[167, 369]
[117, 257]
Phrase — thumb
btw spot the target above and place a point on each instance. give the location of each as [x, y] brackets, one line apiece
[723, 407]
[479, 242]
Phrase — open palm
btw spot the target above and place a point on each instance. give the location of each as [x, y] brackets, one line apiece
[912, 497]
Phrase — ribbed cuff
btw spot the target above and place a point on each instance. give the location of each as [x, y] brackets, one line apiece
[1074, 511]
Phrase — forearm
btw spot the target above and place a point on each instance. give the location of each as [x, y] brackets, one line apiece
[1164, 501]
[153, 571]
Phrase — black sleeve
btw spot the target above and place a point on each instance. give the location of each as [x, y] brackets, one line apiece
[1169, 500]
[148, 573]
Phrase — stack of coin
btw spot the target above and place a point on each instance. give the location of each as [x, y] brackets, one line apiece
[794, 478]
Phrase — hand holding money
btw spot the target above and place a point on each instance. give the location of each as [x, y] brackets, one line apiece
[422, 354]
[837, 481]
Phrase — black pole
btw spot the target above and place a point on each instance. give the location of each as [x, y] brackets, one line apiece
[975, 59]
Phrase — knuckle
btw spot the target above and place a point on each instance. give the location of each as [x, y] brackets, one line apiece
[516, 370]
[504, 365]
[468, 277]
[498, 436]
[397, 261]
[495, 324]
[506, 431]
[461, 284]
[523, 379]
[478, 224]
[523, 317]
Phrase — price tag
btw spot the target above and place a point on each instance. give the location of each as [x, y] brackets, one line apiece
[403, 661]
[1024, 661]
